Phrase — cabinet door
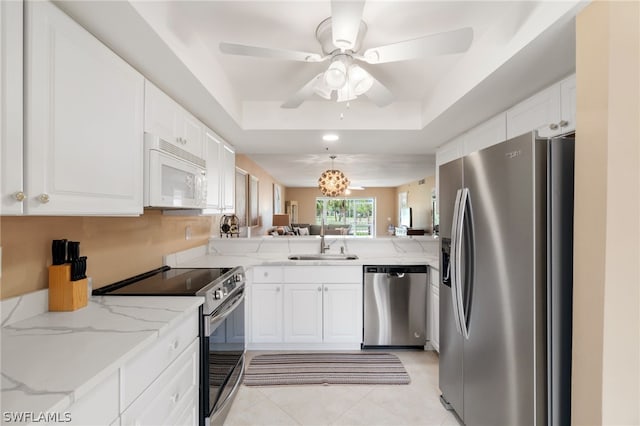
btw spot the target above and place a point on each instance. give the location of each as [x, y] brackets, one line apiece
[489, 133]
[540, 112]
[568, 104]
[84, 121]
[266, 313]
[168, 396]
[191, 132]
[435, 318]
[213, 150]
[342, 321]
[161, 114]
[11, 167]
[228, 178]
[302, 313]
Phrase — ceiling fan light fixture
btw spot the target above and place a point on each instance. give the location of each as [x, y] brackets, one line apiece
[335, 76]
[359, 79]
[321, 89]
[346, 94]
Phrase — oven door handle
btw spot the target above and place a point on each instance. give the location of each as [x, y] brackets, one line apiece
[217, 318]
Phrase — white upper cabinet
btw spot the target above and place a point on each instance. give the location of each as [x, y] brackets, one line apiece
[213, 157]
[84, 121]
[551, 112]
[221, 169]
[228, 179]
[489, 133]
[11, 167]
[568, 104]
[165, 118]
[450, 151]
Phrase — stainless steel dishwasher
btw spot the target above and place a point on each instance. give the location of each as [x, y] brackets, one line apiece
[395, 305]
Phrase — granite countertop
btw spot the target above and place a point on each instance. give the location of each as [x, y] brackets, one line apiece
[54, 358]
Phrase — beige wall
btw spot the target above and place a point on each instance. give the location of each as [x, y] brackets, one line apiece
[265, 185]
[116, 248]
[386, 202]
[606, 335]
[419, 199]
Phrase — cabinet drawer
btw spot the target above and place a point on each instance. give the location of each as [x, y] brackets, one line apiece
[99, 406]
[434, 277]
[265, 274]
[323, 274]
[138, 373]
[166, 397]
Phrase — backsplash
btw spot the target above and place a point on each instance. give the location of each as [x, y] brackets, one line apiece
[116, 247]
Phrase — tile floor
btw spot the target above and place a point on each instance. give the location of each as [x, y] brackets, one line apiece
[349, 405]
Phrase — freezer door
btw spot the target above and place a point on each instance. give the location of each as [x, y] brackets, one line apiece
[450, 366]
[503, 381]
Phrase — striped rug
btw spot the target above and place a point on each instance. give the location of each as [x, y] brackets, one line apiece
[362, 368]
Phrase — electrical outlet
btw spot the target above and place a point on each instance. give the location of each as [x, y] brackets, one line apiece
[187, 233]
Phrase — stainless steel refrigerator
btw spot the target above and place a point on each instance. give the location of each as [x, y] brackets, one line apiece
[506, 227]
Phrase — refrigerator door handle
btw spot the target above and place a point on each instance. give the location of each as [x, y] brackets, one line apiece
[465, 203]
[455, 260]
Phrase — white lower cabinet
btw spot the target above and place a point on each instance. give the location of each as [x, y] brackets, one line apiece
[311, 307]
[342, 321]
[302, 313]
[266, 313]
[158, 386]
[173, 392]
[434, 311]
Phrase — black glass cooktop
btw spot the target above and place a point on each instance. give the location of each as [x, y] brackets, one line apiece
[164, 281]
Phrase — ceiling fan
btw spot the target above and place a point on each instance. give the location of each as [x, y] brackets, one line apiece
[340, 37]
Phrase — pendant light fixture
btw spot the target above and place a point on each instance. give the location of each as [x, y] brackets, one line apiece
[332, 183]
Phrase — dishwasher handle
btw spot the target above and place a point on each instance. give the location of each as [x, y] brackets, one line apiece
[395, 270]
[396, 274]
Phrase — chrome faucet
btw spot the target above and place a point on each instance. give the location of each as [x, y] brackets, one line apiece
[323, 248]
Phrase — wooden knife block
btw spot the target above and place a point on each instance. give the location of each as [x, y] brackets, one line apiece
[65, 295]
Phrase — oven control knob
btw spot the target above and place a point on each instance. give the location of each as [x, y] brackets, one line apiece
[217, 295]
[237, 278]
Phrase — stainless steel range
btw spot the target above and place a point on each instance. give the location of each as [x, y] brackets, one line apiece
[222, 341]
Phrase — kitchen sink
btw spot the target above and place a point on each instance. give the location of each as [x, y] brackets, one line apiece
[323, 257]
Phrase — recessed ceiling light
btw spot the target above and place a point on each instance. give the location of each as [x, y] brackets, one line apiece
[330, 137]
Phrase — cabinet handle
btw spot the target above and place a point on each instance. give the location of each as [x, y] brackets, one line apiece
[44, 198]
[564, 123]
[277, 288]
[553, 126]
[175, 397]
[174, 345]
[319, 288]
[19, 196]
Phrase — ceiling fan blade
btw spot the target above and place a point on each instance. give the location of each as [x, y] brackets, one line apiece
[303, 94]
[345, 22]
[456, 41]
[379, 94]
[268, 52]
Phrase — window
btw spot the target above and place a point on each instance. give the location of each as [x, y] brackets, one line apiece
[349, 216]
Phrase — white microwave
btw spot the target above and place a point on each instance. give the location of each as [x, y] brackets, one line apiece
[173, 177]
